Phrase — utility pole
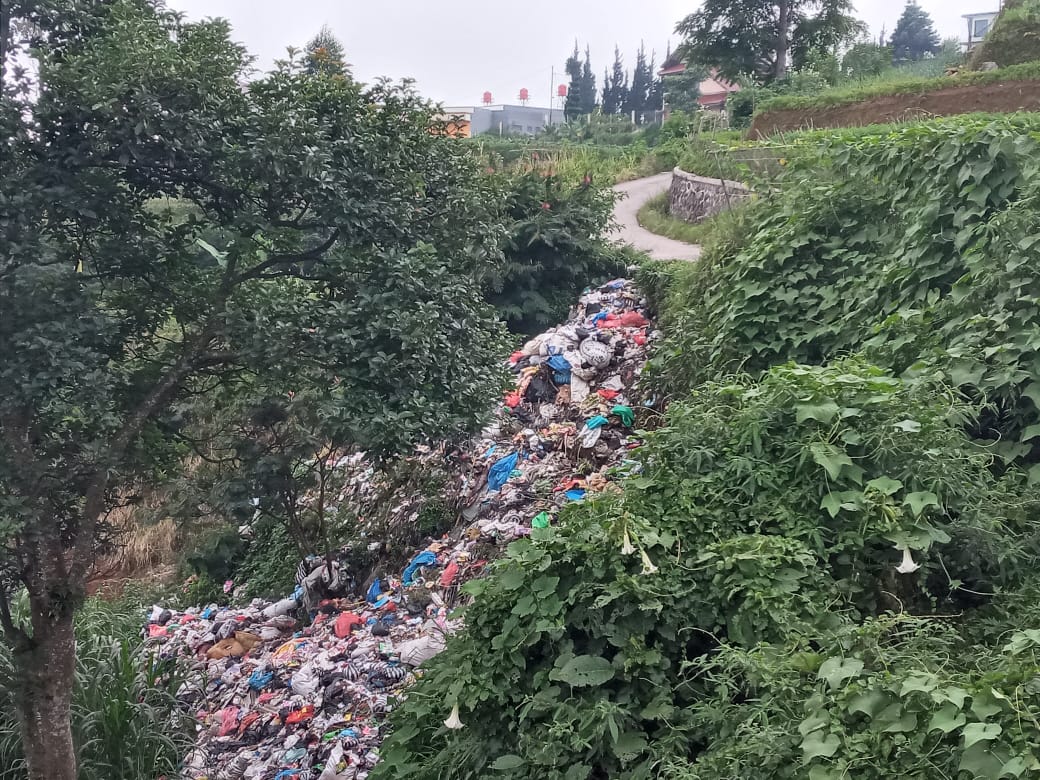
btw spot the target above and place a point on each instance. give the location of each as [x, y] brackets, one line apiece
[552, 86]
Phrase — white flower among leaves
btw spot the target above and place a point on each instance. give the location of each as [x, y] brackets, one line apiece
[648, 565]
[907, 565]
[453, 721]
[627, 548]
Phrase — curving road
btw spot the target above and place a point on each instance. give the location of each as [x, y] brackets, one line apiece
[633, 195]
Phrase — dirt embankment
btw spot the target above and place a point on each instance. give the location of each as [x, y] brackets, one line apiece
[1001, 97]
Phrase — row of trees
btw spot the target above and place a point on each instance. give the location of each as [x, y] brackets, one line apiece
[637, 92]
[765, 40]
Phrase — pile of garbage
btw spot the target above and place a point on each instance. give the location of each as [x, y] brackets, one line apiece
[301, 688]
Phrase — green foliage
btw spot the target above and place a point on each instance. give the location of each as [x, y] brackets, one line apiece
[655, 217]
[903, 81]
[914, 36]
[126, 720]
[750, 37]
[1014, 37]
[269, 567]
[880, 240]
[682, 90]
[324, 55]
[581, 94]
[555, 249]
[768, 519]
[866, 60]
[216, 554]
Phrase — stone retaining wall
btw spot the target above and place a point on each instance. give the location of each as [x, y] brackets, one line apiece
[695, 198]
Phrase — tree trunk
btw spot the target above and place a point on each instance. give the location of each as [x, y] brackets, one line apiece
[783, 40]
[45, 668]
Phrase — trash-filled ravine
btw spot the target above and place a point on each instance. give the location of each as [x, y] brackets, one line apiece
[301, 688]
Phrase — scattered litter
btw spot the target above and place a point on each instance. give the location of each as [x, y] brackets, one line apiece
[301, 688]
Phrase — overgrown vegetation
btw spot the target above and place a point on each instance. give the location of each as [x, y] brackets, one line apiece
[1014, 38]
[826, 567]
[125, 715]
[655, 217]
[897, 84]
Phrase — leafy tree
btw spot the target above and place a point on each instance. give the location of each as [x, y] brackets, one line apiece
[915, 35]
[554, 249]
[318, 235]
[324, 54]
[615, 86]
[866, 59]
[682, 90]
[765, 39]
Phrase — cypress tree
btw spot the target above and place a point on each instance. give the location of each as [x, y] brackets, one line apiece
[573, 107]
[324, 55]
[915, 35]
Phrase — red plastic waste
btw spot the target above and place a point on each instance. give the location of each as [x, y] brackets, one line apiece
[448, 576]
[346, 623]
[633, 319]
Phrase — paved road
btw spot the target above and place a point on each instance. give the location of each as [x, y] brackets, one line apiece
[634, 195]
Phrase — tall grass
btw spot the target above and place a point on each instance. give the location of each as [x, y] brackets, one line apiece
[126, 721]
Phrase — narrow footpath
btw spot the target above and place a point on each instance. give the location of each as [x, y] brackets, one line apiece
[634, 195]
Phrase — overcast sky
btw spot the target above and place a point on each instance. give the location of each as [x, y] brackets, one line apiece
[457, 49]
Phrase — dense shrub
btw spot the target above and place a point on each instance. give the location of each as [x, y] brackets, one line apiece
[555, 248]
[644, 633]
[916, 242]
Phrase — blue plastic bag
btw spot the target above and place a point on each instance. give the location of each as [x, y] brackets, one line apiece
[499, 473]
[259, 680]
[374, 592]
[425, 558]
[561, 369]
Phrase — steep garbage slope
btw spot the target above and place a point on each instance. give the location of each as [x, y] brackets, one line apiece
[300, 688]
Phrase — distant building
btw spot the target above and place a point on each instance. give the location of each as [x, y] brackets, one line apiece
[468, 121]
[714, 90]
[459, 121]
[979, 26]
[515, 120]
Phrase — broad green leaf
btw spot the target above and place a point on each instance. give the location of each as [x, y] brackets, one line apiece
[947, 719]
[508, 762]
[629, 744]
[835, 671]
[819, 745]
[824, 412]
[984, 705]
[978, 732]
[584, 670]
[1030, 432]
[832, 503]
[982, 762]
[885, 485]
[870, 703]
[830, 457]
[925, 683]
[895, 719]
[918, 501]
